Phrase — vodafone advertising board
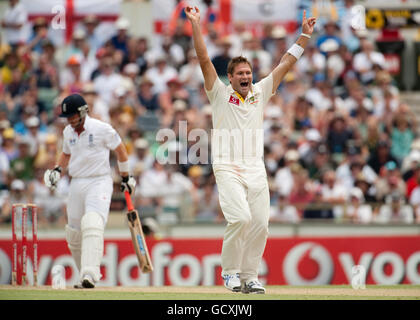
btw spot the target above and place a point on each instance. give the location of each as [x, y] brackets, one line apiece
[191, 262]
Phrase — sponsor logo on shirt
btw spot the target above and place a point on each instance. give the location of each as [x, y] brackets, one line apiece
[91, 144]
[72, 142]
[234, 100]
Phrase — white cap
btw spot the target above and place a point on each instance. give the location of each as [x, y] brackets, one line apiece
[131, 68]
[120, 91]
[79, 34]
[357, 193]
[329, 45]
[17, 185]
[180, 105]
[313, 135]
[122, 23]
[141, 143]
[292, 155]
[207, 109]
[273, 112]
[32, 122]
[278, 32]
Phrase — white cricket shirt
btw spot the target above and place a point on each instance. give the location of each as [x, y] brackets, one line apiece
[89, 151]
[237, 133]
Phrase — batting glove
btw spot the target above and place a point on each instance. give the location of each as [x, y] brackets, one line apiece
[128, 184]
[51, 177]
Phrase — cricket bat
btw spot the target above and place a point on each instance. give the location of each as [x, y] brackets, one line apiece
[137, 236]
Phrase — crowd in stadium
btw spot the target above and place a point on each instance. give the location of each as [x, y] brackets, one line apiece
[340, 144]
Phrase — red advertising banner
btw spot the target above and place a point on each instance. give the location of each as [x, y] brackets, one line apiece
[387, 260]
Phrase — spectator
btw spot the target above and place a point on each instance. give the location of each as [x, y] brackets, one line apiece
[147, 98]
[395, 210]
[283, 211]
[90, 23]
[284, 179]
[97, 108]
[313, 62]
[120, 40]
[367, 61]
[221, 60]
[39, 35]
[308, 148]
[356, 210]
[260, 59]
[368, 189]
[9, 146]
[329, 37]
[320, 164]
[278, 44]
[390, 182]
[71, 79]
[192, 78]
[381, 156]
[17, 194]
[402, 136]
[208, 207]
[160, 74]
[353, 164]
[302, 193]
[107, 81]
[333, 193]
[14, 23]
[141, 156]
[338, 136]
[22, 167]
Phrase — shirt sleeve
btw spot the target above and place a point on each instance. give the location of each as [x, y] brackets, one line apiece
[66, 147]
[266, 86]
[216, 91]
[111, 137]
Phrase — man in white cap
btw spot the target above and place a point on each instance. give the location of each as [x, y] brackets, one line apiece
[86, 146]
[238, 111]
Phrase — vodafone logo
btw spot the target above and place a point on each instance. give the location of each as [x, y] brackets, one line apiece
[313, 256]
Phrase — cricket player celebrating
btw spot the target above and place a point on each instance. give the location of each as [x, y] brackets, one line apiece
[86, 145]
[242, 182]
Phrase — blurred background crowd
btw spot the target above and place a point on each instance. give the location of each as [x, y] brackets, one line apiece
[340, 143]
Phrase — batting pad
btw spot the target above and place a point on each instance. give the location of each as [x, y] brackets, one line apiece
[74, 242]
[92, 226]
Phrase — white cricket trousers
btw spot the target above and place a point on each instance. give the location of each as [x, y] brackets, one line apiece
[245, 201]
[91, 194]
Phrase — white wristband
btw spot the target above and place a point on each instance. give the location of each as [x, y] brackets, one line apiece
[295, 50]
[123, 166]
[305, 35]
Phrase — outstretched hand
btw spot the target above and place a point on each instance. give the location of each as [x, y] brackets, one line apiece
[308, 24]
[193, 14]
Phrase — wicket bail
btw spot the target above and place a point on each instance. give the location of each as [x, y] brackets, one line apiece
[20, 266]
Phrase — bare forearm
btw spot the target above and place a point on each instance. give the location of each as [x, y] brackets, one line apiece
[63, 160]
[199, 45]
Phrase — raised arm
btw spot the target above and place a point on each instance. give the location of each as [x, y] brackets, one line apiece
[209, 72]
[291, 56]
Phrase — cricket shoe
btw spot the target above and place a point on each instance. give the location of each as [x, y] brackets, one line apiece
[78, 286]
[87, 282]
[253, 286]
[232, 282]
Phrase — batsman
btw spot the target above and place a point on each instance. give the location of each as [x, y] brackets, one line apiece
[86, 146]
[240, 176]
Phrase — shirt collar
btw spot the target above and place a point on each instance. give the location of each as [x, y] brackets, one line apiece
[86, 125]
[234, 92]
